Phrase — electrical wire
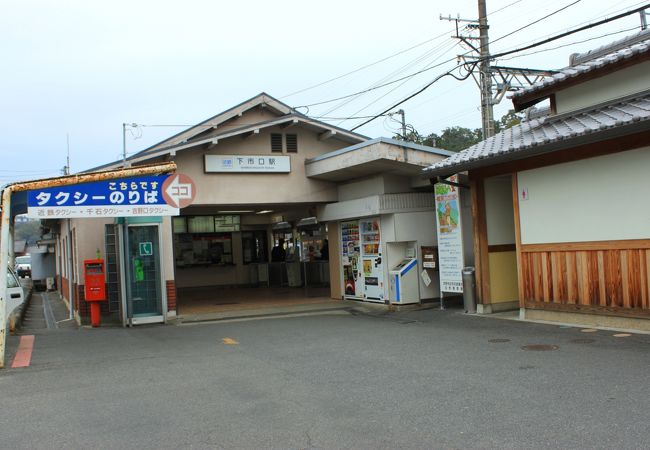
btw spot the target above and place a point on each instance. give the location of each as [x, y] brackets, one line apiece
[495, 56]
[390, 91]
[376, 87]
[367, 65]
[503, 7]
[569, 44]
[477, 61]
[535, 21]
[428, 53]
[425, 87]
[567, 33]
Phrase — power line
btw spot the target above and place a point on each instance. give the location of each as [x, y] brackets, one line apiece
[535, 21]
[498, 55]
[366, 66]
[571, 43]
[390, 91]
[376, 87]
[425, 87]
[384, 59]
[503, 7]
[478, 60]
[570, 32]
[441, 47]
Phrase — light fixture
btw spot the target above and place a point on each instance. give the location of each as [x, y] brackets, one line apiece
[236, 212]
[265, 211]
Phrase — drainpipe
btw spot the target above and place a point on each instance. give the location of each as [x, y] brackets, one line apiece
[5, 236]
[70, 269]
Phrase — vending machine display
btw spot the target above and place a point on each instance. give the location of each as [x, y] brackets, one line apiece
[372, 259]
[352, 281]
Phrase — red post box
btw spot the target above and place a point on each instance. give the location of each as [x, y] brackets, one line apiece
[94, 288]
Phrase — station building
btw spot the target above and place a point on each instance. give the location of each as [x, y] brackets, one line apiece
[286, 208]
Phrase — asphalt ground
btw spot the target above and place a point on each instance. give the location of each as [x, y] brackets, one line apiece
[423, 379]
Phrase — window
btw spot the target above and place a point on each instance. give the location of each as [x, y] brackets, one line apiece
[276, 142]
[179, 225]
[292, 143]
[200, 224]
[205, 224]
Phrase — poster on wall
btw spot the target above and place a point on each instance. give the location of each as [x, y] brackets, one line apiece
[450, 237]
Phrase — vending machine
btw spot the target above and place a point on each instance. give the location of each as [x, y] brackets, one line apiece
[371, 256]
[361, 255]
[350, 251]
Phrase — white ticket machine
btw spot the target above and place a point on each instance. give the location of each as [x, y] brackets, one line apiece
[404, 284]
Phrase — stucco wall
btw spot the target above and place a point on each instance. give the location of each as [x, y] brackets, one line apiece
[260, 188]
[89, 237]
[597, 199]
[618, 84]
[421, 228]
[500, 221]
[500, 216]
[503, 277]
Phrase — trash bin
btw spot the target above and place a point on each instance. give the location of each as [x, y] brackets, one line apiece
[469, 290]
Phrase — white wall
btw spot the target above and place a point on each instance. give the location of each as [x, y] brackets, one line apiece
[616, 85]
[260, 188]
[360, 188]
[597, 199]
[421, 228]
[499, 212]
[379, 184]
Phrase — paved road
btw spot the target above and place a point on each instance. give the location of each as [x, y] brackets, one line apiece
[426, 379]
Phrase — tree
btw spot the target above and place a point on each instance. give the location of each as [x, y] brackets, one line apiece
[459, 138]
[455, 139]
[29, 231]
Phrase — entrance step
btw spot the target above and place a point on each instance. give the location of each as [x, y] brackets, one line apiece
[273, 311]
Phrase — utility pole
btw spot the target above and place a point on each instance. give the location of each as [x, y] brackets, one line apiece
[67, 159]
[487, 108]
[123, 145]
[493, 81]
[401, 112]
[124, 125]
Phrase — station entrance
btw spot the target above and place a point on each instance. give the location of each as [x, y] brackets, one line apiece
[249, 258]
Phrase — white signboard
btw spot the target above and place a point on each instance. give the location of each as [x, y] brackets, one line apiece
[247, 163]
[450, 237]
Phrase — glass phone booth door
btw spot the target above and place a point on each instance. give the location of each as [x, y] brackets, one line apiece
[143, 277]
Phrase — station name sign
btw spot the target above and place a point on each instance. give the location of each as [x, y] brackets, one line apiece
[155, 195]
[247, 164]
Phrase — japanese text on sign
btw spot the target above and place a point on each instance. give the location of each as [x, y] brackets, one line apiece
[141, 196]
[248, 163]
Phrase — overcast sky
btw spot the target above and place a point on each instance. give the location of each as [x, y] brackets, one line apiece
[83, 68]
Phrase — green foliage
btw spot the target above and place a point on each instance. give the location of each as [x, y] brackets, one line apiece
[459, 138]
[29, 231]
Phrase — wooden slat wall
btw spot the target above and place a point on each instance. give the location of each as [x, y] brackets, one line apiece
[588, 279]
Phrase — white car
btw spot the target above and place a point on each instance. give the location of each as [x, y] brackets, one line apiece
[24, 266]
[15, 294]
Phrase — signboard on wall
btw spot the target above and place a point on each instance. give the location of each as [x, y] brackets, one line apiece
[156, 195]
[247, 164]
[450, 237]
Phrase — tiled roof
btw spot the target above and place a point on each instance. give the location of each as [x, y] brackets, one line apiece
[548, 133]
[592, 60]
